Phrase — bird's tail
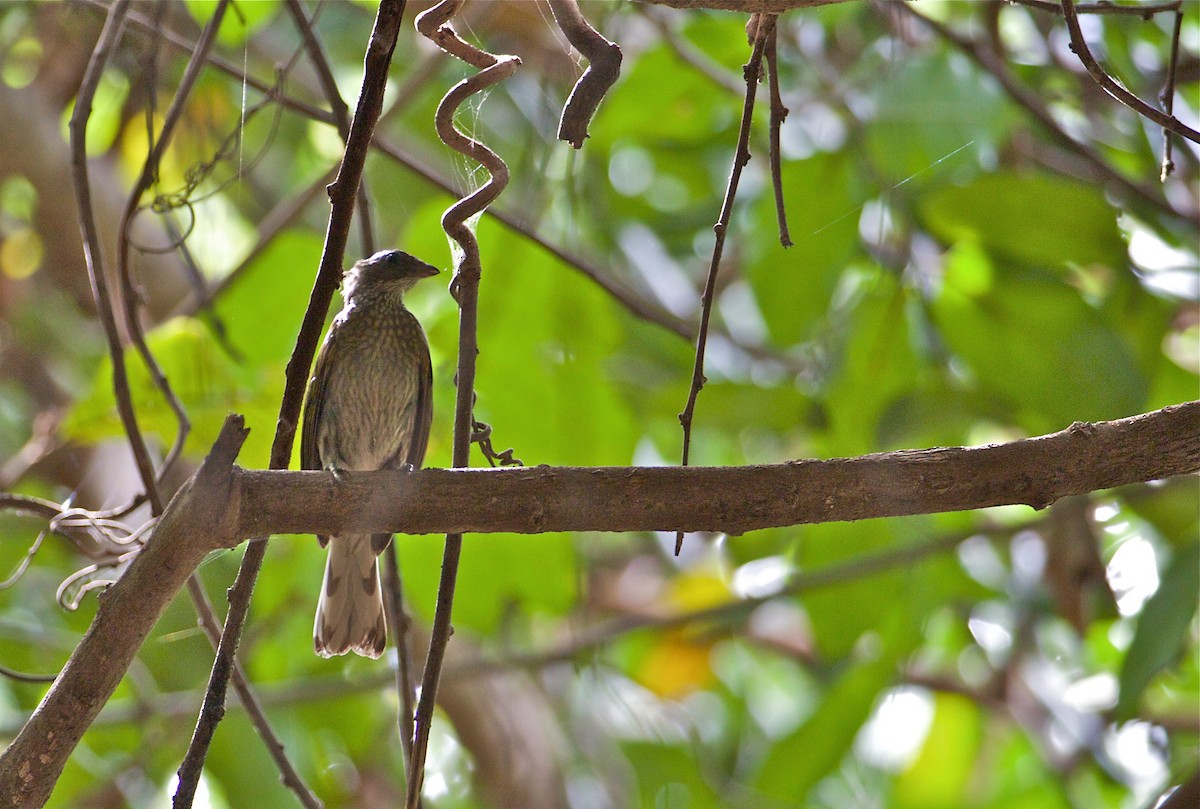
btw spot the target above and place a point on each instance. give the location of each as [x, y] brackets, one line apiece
[350, 614]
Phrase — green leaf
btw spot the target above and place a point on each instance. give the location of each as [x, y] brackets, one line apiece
[1162, 628]
[934, 118]
[204, 379]
[1038, 220]
[798, 762]
[793, 286]
[498, 573]
[941, 774]
[1031, 340]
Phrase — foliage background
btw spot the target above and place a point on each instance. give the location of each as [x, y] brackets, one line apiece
[959, 276]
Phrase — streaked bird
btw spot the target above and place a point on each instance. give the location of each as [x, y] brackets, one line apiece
[369, 406]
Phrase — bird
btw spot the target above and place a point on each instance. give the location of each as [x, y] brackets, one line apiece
[369, 406]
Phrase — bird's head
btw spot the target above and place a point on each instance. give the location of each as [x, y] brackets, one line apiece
[393, 268]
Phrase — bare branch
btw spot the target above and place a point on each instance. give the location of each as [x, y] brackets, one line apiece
[1036, 472]
[744, 6]
[1113, 87]
[201, 511]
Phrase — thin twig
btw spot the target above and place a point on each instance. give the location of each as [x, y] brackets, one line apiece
[337, 106]
[1113, 87]
[1168, 97]
[760, 27]
[434, 24]
[288, 774]
[604, 67]
[778, 114]
[342, 194]
[130, 299]
[398, 619]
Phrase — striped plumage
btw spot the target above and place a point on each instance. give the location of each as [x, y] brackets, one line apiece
[368, 407]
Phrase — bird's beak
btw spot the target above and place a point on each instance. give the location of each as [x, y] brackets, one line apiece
[427, 271]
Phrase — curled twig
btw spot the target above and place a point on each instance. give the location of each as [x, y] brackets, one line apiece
[434, 24]
[604, 67]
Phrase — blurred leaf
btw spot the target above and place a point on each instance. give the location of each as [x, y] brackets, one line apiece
[1039, 220]
[1162, 627]
[934, 119]
[669, 776]
[1032, 340]
[500, 575]
[877, 355]
[795, 765]
[793, 286]
[941, 774]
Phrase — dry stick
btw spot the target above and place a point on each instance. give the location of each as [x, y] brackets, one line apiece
[342, 193]
[1032, 103]
[1168, 97]
[604, 67]
[778, 115]
[1113, 87]
[1035, 472]
[433, 24]
[761, 26]
[337, 107]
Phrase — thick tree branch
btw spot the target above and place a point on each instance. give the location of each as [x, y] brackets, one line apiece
[1033, 471]
[199, 516]
[220, 506]
[744, 6]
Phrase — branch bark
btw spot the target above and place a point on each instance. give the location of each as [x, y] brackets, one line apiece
[222, 504]
[744, 6]
[1033, 471]
[199, 517]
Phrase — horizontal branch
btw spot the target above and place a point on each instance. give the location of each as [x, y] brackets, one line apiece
[743, 6]
[1034, 471]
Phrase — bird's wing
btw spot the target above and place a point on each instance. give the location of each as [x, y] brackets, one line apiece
[423, 417]
[314, 401]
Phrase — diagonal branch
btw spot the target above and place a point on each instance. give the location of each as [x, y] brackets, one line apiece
[1113, 87]
[198, 514]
